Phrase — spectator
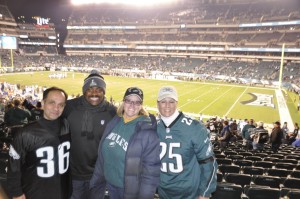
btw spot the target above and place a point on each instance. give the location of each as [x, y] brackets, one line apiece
[296, 143]
[88, 116]
[285, 131]
[225, 136]
[259, 136]
[246, 133]
[276, 137]
[16, 115]
[233, 127]
[291, 137]
[38, 163]
[188, 165]
[130, 149]
[37, 112]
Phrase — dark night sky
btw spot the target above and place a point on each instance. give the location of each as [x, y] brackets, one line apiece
[54, 9]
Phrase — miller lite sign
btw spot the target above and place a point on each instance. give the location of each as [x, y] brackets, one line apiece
[42, 22]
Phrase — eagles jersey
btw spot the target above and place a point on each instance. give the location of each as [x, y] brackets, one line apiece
[188, 167]
[39, 161]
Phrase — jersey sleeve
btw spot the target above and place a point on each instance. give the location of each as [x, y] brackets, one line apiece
[16, 157]
[207, 163]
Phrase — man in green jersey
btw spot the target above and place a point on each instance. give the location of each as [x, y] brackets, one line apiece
[188, 169]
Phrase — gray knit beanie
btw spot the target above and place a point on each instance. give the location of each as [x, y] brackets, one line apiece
[94, 80]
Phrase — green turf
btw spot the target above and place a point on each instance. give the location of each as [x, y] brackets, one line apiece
[194, 97]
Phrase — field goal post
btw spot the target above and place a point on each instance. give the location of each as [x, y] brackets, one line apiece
[281, 67]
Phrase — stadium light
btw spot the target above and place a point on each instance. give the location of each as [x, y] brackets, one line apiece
[126, 2]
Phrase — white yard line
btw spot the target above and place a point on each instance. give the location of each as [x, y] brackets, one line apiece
[236, 101]
[215, 100]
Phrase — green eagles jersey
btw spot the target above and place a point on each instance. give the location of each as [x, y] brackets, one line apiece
[183, 144]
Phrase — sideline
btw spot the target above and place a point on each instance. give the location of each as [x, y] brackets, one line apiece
[284, 113]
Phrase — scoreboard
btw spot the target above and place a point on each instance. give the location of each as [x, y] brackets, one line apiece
[8, 42]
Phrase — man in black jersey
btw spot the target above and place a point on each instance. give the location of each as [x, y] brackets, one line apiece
[88, 116]
[39, 154]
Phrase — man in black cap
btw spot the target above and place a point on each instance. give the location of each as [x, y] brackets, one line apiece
[88, 116]
[276, 136]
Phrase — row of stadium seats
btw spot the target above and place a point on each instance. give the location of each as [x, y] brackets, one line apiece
[260, 179]
[234, 191]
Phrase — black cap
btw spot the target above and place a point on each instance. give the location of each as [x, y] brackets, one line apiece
[134, 91]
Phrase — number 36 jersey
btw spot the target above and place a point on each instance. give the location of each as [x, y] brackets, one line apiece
[39, 160]
[184, 145]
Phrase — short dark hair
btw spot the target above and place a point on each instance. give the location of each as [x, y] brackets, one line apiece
[38, 104]
[16, 102]
[54, 88]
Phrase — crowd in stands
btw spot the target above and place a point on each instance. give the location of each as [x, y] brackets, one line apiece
[192, 12]
[202, 69]
[253, 135]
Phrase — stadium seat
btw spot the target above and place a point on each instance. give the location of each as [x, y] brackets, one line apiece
[271, 159]
[222, 161]
[229, 168]
[293, 156]
[240, 150]
[271, 181]
[293, 194]
[235, 157]
[220, 156]
[239, 179]
[243, 163]
[261, 192]
[276, 155]
[262, 155]
[227, 153]
[264, 164]
[217, 151]
[295, 174]
[288, 166]
[228, 191]
[246, 154]
[219, 177]
[253, 170]
[278, 172]
[253, 158]
[292, 161]
[293, 183]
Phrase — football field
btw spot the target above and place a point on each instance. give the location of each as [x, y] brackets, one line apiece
[195, 98]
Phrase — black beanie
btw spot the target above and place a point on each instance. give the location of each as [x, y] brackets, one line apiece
[94, 80]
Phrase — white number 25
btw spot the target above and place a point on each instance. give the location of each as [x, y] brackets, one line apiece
[172, 167]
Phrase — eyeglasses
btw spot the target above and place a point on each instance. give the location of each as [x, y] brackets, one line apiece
[135, 103]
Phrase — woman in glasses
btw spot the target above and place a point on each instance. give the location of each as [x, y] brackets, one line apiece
[128, 163]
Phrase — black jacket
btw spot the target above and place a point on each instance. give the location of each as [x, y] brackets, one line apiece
[276, 136]
[87, 124]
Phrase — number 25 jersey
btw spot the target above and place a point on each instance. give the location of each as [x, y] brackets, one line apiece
[184, 144]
